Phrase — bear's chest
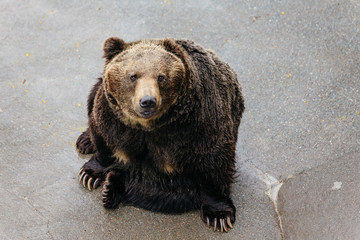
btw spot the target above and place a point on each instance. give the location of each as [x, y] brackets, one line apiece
[164, 150]
[163, 156]
[168, 150]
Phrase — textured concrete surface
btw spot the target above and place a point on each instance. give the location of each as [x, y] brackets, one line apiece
[297, 61]
[323, 203]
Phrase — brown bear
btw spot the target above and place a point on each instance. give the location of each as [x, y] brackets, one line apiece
[163, 125]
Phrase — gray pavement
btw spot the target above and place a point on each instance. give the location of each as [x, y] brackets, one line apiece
[297, 61]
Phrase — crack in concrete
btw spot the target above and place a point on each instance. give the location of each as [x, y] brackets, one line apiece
[29, 203]
[273, 187]
[48, 230]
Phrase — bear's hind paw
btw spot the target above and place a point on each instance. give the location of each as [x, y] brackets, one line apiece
[220, 215]
[112, 191]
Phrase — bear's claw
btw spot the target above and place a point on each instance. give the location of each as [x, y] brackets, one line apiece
[87, 181]
[215, 223]
[96, 183]
[229, 222]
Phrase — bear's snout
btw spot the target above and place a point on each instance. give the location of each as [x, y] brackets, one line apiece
[147, 99]
[147, 102]
[147, 106]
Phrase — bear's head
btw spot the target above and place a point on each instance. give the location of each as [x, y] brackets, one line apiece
[143, 79]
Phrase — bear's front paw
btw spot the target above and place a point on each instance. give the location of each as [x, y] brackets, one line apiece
[84, 144]
[91, 175]
[113, 190]
[220, 215]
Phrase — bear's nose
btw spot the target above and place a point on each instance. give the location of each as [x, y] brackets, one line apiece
[148, 102]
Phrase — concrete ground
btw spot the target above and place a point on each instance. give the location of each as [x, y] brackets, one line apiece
[297, 61]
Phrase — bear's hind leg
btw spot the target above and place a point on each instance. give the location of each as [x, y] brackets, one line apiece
[217, 208]
[91, 174]
[84, 144]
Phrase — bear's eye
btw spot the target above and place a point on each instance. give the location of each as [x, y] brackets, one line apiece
[161, 78]
[133, 77]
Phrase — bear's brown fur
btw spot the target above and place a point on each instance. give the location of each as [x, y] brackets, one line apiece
[163, 123]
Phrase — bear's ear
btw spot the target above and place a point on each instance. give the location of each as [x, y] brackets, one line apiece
[112, 47]
[171, 46]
